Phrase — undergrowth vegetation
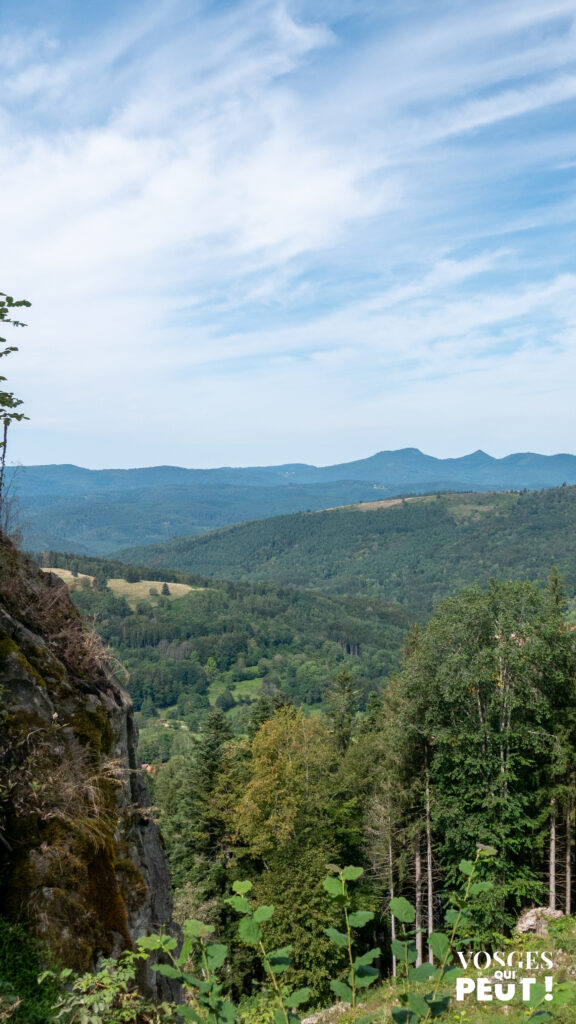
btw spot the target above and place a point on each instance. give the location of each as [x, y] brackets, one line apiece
[422, 991]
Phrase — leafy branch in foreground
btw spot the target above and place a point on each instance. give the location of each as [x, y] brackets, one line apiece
[274, 962]
[208, 1003]
[423, 1008]
[361, 973]
[107, 997]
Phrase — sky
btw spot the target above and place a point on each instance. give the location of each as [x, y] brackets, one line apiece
[257, 232]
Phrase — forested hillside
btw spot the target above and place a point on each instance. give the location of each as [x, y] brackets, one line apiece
[474, 742]
[291, 731]
[414, 552]
[226, 644]
[285, 737]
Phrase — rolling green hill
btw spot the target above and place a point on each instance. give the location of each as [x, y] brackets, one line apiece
[414, 551]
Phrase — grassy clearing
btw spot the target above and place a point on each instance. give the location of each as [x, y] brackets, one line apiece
[475, 506]
[461, 505]
[133, 592]
[244, 688]
[66, 575]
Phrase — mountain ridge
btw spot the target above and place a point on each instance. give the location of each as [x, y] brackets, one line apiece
[70, 508]
[62, 478]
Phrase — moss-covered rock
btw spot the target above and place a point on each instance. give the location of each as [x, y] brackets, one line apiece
[80, 860]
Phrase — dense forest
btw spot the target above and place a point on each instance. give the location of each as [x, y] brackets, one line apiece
[285, 734]
[227, 644]
[414, 552]
[473, 742]
[288, 732]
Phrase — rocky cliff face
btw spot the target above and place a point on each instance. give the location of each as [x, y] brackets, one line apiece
[80, 857]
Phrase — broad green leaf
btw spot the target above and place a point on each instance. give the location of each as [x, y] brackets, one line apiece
[360, 917]
[365, 975]
[418, 1004]
[439, 944]
[279, 966]
[227, 1012]
[537, 993]
[404, 951]
[188, 1013]
[332, 885]
[487, 851]
[367, 958]
[240, 904]
[398, 949]
[466, 867]
[242, 887]
[279, 959]
[452, 972]
[451, 916]
[478, 887]
[540, 1017]
[151, 942]
[197, 929]
[421, 973]
[342, 991]
[301, 995]
[216, 955]
[187, 947]
[402, 909]
[565, 992]
[167, 970]
[262, 914]
[439, 1006]
[193, 982]
[350, 874]
[402, 1016]
[279, 1017]
[338, 938]
[249, 931]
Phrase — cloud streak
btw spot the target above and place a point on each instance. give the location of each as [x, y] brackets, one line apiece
[267, 210]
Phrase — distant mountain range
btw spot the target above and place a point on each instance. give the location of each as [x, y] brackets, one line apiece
[68, 508]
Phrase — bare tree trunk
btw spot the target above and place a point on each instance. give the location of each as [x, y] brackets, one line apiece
[552, 857]
[429, 879]
[418, 922]
[568, 906]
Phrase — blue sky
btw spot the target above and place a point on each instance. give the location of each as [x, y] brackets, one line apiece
[259, 232]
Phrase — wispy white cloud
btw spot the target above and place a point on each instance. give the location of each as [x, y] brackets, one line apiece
[238, 207]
